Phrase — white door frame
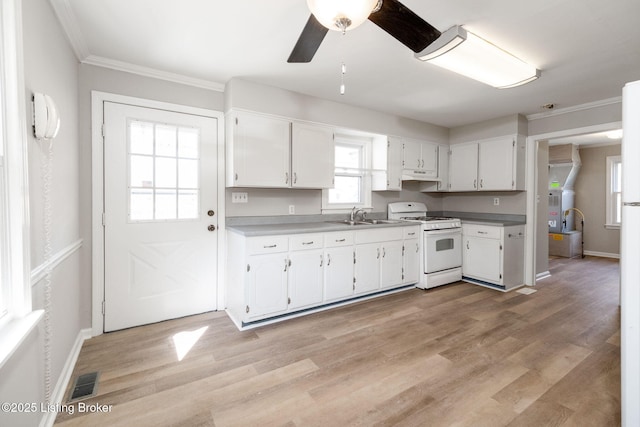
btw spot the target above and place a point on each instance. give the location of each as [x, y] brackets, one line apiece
[532, 188]
[97, 194]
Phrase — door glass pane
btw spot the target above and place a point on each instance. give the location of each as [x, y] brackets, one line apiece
[141, 137]
[166, 207]
[141, 171]
[166, 138]
[141, 204]
[187, 173]
[444, 244]
[166, 172]
[188, 143]
[188, 204]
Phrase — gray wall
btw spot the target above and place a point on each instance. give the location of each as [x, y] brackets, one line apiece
[542, 209]
[50, 67]
[591, 200]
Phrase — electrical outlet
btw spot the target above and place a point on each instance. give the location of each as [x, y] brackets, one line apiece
[496, 201]
[239, 197]
[292, 209]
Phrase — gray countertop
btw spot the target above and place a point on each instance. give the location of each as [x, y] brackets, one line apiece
[493, 222]
[306, 227]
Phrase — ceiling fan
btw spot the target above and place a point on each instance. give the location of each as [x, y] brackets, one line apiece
[390, 15]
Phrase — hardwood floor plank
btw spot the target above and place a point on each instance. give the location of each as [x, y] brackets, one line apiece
[456, 355]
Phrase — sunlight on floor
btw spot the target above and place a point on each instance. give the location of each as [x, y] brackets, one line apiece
[184, 341]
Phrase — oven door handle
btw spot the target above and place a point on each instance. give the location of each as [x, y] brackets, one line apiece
[456, 230]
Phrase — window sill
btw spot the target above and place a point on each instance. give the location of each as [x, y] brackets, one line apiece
[15, 332]
[612, 226]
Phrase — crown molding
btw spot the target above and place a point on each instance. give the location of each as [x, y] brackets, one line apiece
[127, 67]
[70, 25]
[573, 109]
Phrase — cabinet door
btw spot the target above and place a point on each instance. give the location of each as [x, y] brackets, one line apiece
[338, 273]
[312, 156]
[267, 285]
[429, 162]
[411, 261]
[482, 259]
[367, 267]
[305, 278]
[391, 264]
[463, 167]
[394, 164]
[495, 164]
[443, 168]
[411, 155]
[259, 151]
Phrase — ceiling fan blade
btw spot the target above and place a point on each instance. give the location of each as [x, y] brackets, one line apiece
[309, 41]
[404, 25]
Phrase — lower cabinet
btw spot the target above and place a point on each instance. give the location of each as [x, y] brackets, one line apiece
[411, 259]
[270, 276]
[493, 255]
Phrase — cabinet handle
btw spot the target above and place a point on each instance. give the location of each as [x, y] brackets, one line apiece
[328, 260]
[384, 252]
[418, 163]
[412, 234]
[286, 177]
[285, 264]
[417, 248]
[483, 232]
[308, 243]
[481, 183]
[467, 244]
[474, 183]
[378, 257]
[340, 240]
[295, 177]
[321, 260]
[269, 246]
[236, 175]
[422, 163]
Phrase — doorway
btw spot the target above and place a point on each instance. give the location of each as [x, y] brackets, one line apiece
[157, 210]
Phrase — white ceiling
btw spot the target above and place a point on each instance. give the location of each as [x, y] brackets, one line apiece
[587, 50]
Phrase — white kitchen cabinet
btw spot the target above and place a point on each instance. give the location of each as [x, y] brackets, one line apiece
[419, 159]
[273, 152]
[441, 184]
[391, 264]
[338, 266]
[378, 259]
[367, 268]
[258, 150]
[463, 167]
[387, 164]
[305, 270]
[493, 255]
[496, 164]
[411, 255]
[312, 156]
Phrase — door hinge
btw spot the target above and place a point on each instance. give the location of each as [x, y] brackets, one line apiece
[103, 220]
[500, 247]
[247, 309]
[289, 301]
[501, 276]
[103, 308]
[237, 124]
[354, 258]
[248, 268]
[103, 132]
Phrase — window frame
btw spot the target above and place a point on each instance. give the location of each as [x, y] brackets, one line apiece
[19, 320]
[613, 198]
[366, 144]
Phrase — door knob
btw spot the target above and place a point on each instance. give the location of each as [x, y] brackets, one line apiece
[211, 227]
[210, 213]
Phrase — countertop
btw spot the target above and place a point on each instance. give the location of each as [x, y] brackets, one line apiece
[306, 227]
[493, 222]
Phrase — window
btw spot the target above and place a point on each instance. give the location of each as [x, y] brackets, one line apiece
[614, 192]
[163, 172]
[352, 182]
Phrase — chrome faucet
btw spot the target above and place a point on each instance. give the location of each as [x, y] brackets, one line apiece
[355, 212]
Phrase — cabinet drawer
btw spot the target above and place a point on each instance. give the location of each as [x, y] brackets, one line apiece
[306, 241]
[267, 244]
[487, 231]
[379, 235]
[411, 232]
[341, 238]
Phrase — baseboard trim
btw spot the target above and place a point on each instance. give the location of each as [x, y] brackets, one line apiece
[57, 396]
[602, 254]
[543, 275]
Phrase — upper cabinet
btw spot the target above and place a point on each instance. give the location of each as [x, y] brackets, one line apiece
[491, 165]
[387, 164]
[273, 152]
[312, 156]
[419, 159]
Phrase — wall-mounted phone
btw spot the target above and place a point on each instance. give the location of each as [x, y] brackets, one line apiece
[46, 121]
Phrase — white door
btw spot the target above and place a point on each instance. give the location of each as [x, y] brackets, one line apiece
[160, 193]
[411, 261]
[266, 292]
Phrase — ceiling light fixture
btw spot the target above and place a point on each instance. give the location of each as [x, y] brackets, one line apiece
[341, 15]
[465, 53]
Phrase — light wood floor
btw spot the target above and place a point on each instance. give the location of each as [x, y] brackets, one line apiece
[458, 355]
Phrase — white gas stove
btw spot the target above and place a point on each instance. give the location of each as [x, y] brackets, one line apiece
[441, 243]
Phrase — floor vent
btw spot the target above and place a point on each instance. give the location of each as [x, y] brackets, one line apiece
[85, 386]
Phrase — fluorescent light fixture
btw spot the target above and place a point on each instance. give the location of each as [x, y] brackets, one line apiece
[465, 53]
